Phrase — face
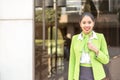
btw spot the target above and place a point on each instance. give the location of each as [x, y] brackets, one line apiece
[87, 24]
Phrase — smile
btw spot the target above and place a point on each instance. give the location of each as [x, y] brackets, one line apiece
[87, 28]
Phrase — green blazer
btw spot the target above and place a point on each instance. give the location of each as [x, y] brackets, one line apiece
[96, 61]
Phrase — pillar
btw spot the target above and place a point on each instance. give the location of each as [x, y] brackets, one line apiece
[16, 40]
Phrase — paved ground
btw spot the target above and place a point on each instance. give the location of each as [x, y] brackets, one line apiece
[61, 74]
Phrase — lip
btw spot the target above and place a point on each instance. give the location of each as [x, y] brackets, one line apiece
[87, 28]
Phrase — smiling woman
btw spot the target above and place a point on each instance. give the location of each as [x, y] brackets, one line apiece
[88, 52]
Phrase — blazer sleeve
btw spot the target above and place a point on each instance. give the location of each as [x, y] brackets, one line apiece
[71, 61]
[103, 55]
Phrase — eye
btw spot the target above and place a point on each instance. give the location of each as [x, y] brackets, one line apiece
[89, 22]
[84, 22]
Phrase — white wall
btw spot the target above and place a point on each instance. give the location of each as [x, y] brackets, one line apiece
[16, 40]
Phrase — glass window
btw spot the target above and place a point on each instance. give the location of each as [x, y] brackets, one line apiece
[107, 14]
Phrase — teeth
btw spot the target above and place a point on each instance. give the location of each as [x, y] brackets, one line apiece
[87, 29]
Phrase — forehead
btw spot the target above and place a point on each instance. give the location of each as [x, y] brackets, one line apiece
[87, 18]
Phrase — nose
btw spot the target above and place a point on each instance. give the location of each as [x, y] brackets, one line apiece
[87, 25]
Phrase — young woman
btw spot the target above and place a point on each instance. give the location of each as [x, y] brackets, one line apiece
[88, 52]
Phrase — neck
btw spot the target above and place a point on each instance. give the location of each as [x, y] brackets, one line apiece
[87, 33]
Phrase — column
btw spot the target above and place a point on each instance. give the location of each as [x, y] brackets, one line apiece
[16, 40]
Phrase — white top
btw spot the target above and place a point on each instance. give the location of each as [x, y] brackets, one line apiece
[85, 57]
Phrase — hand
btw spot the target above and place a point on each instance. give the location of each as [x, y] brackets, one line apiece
[92, 47]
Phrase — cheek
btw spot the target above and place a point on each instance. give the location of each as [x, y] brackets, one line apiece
[81, 25]
[82, 28]
[92, 26]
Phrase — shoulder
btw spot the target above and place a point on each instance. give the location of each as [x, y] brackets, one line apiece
[99, 34]
[75, 36]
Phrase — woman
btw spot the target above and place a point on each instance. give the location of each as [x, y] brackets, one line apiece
[88, 52]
